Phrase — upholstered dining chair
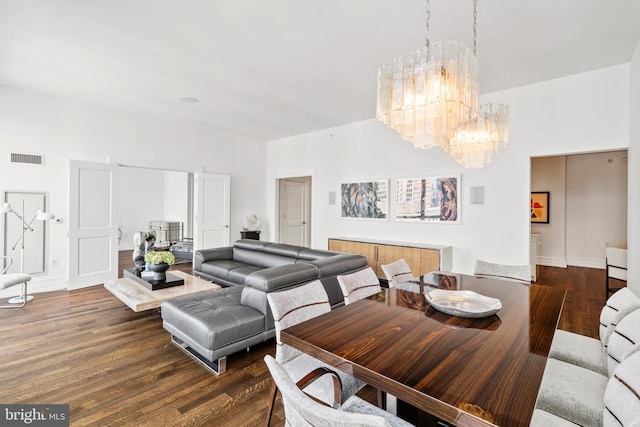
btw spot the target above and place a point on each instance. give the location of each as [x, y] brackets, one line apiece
[289, 308]
[616, 264]
[7, 280]
[397, 272]
[359, 285]
[515, 273]
[301, 410]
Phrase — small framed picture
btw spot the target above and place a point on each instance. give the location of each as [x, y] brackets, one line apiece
[539, 207]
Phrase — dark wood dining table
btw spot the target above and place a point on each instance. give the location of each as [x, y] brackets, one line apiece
[464, 371]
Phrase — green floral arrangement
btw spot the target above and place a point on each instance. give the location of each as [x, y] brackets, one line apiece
[158, 257]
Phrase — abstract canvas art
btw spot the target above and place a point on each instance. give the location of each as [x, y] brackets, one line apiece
[430, 199]
[365, 200]
[539, 204]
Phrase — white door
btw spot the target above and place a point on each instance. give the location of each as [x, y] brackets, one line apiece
[294, 211]
[212, 211]
[93, 228]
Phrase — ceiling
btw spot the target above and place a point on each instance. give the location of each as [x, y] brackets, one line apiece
[268, 69]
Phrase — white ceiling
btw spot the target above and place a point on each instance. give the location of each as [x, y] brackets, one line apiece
[267, 69]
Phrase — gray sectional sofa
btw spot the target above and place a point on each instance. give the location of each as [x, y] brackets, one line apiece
[215, 324]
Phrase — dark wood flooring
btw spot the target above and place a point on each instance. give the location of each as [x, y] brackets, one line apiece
[116, 367]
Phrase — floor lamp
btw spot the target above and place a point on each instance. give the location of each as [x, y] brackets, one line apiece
[26, 226]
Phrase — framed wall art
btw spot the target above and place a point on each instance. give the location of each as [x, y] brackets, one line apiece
[539, 204]
[366, 200]
[428, 199]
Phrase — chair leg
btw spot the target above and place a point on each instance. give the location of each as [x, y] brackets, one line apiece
[272, 400]
[606, 295]
[17, 300]
[382, 399]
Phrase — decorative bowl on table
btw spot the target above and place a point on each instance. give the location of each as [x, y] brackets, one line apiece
[463, 303]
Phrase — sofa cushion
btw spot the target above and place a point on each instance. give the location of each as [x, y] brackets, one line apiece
[239, 275]
[222, 268]
[254, 245]
[270, 279]
[214, 319]
[260, 258]
[339, 264]
[315, 254]
[284, 250]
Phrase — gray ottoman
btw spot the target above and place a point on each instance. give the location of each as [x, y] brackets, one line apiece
[212, 325]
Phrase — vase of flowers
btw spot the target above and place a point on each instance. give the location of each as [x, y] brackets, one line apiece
[159, 262]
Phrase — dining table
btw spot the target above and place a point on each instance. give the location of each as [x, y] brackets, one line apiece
[470, 368]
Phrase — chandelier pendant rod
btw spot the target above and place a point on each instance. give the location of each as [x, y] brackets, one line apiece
[427, 19]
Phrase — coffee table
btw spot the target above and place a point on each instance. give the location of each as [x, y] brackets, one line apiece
[137, 297]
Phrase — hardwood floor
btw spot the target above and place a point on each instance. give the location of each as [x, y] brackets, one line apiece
[117, 367]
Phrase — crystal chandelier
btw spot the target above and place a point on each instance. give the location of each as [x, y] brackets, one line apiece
[431, 97]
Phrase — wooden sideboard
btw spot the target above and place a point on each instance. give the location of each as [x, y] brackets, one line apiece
[422, 258]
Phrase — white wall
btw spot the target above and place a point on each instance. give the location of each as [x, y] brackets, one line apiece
[549, 174]
[61, 129]
[596, 206]
[176, 198]
[634, 173]
[580, 113]
[139, 201]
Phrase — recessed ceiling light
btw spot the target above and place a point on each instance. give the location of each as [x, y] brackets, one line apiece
[189, 99]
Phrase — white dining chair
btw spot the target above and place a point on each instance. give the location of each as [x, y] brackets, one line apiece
[515, 273]
[359, 285]
[301, 410]
[397, 272]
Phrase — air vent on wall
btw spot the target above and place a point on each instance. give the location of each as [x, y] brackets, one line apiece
[30, 159]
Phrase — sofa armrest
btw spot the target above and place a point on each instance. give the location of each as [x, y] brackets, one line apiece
[203, 255]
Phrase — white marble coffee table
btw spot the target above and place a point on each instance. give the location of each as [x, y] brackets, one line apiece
[139, 298]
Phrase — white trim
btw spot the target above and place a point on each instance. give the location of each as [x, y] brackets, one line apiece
[274, 178]
[551, 261]
[587, 262]
[36, 286]
[147, 164]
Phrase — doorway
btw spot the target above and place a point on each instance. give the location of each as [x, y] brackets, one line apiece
[294, 207]
[587, 207]
[94, 197]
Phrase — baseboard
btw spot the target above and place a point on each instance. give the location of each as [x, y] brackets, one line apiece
[37, 285]
[587, 262]
[125, 247]
[551, 261]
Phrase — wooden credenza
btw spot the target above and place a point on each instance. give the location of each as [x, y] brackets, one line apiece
[422, 258]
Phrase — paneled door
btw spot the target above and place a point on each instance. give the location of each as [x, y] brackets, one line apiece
[294, 211]
[93, 228]
[212, 211]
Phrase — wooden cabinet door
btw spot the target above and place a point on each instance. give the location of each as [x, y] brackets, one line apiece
[365, 249]
[389, 254]
[429, 260]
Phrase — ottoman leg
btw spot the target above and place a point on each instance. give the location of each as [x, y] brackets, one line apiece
[218, 367]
